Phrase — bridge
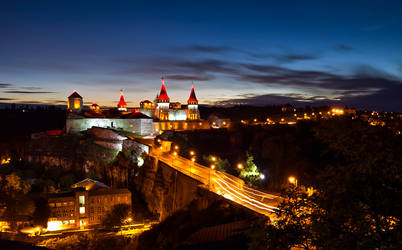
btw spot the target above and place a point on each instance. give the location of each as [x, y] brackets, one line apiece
[226, 185]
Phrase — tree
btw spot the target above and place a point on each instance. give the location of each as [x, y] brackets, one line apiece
[250, 172]
[357, 204]
[117, 216]
[220, 164]
[41, 213]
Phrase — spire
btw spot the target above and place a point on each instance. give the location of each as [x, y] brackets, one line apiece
[192, 98]
[121, 103]
[163, 94]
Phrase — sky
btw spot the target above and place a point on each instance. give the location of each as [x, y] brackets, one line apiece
[235, 52]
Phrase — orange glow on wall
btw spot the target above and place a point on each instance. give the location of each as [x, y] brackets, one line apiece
[77, 104]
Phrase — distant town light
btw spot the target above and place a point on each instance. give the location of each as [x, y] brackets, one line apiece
[292, 180]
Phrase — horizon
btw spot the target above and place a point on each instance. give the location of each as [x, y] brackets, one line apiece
[255, 53]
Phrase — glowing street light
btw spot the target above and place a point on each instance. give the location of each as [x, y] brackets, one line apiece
[213, 158]
[262, 176]
[175, 153]
[292, 180]
[192, 152]
[176, 147]
[193, 159]
[240, 166]
[212, 166]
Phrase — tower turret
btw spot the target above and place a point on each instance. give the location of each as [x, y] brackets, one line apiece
[122, 105]
[74, 103]
[162, 104]
[192, 107]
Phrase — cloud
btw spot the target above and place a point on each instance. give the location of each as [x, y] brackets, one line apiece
[290, 58]
[365, 78]
[42, 66]
[208, 48]
[5, 85]
[276, 99]
[324, 86]
[190, 77]
[166, 66]
[6, 99]
[343, 48]
[27, 92]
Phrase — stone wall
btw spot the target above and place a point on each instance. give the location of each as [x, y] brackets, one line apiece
[138, 126]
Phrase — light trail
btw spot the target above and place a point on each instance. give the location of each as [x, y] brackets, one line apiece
[264, 195]
[263, 208]
[251, 199]
[229, 186]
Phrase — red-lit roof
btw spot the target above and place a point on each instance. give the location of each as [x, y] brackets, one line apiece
[75, 95]
[163, 95]
[192, 98]
[122, 102]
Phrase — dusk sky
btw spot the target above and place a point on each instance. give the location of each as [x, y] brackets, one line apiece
[236, 52]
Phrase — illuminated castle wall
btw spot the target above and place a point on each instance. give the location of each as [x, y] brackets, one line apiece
[151, 117]
[164, 110]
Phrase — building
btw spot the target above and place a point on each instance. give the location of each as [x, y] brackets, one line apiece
[165, 110]
[150, 118]
[86, 206]
[75, 102]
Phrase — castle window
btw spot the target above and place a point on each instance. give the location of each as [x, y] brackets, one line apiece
[77, 104]
[82, 200]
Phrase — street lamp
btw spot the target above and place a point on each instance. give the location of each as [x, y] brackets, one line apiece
[292, 180]
[209, 181]
[176, 147]
[193, 160]
[262, 176]
[240, 166]
[213, 158]
[192, 152]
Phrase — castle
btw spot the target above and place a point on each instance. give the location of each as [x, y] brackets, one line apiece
[150, 118]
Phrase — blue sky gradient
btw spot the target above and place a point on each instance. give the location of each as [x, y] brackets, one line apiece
[236, 52]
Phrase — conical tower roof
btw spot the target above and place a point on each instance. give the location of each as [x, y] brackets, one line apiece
[75, 95]
[192, 97]
[122, 102]
[163, 94]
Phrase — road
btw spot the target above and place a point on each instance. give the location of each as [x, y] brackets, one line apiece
[223, 184]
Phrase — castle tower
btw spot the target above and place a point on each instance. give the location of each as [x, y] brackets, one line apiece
[162, 104]
[74, 103]
[122, 106]
[192, 107]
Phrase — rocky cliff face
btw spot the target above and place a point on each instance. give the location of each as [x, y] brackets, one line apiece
[167, 191]
[101, 154]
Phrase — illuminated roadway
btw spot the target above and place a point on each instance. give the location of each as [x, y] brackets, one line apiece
[223, 184]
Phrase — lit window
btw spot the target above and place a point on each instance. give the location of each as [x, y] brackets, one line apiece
[76, 104]
[82, 200]
[82, 210]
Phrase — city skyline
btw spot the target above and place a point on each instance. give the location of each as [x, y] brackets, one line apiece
[259, 53]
